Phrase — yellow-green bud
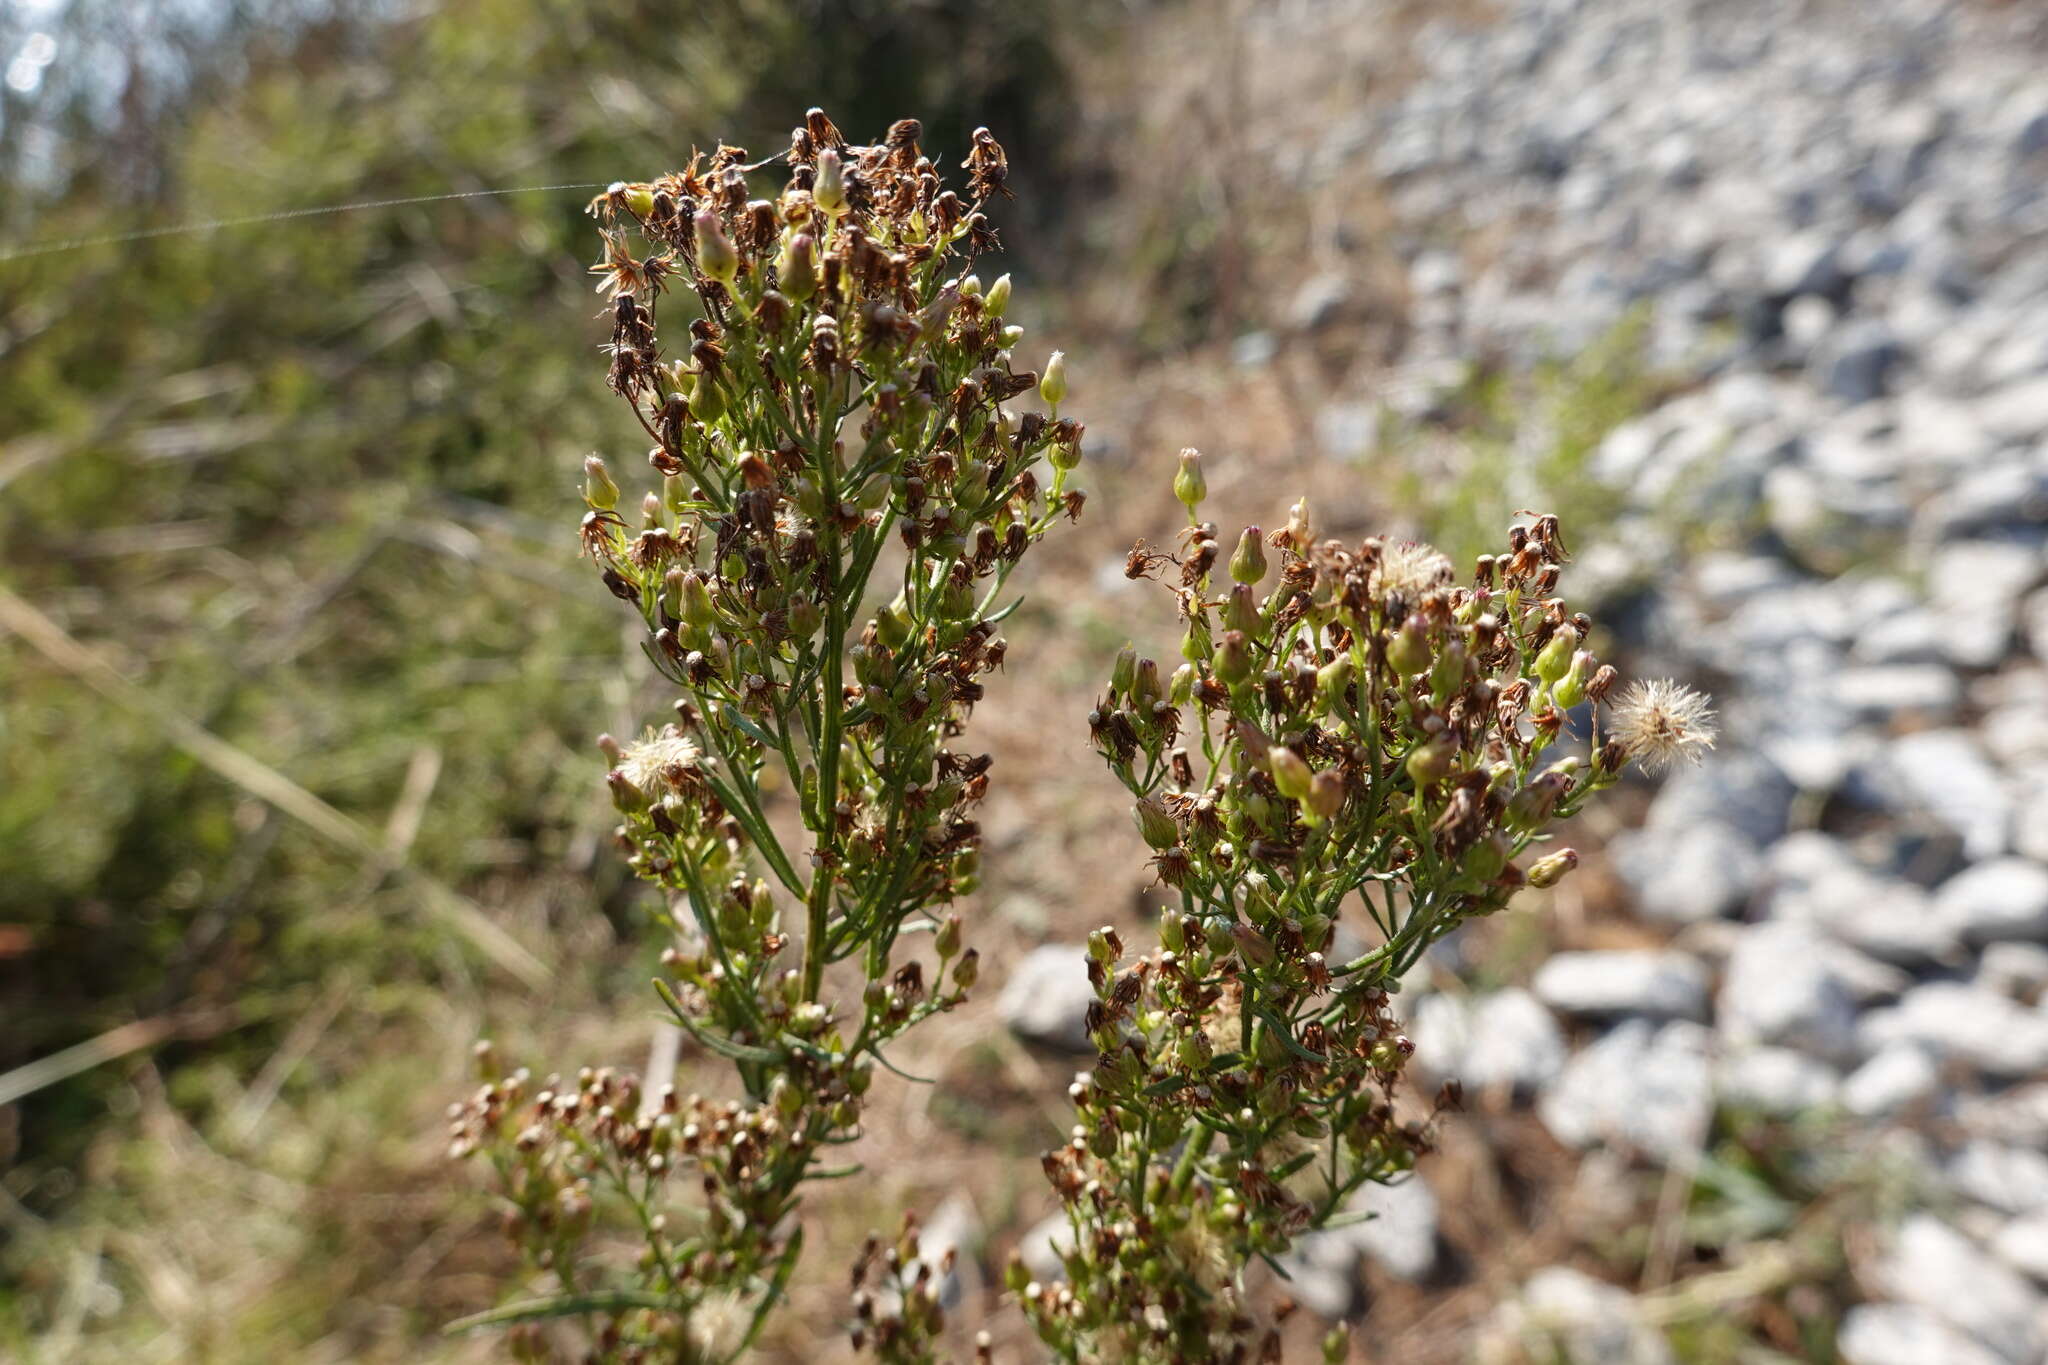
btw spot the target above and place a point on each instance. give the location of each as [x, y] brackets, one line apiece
[1556, 655]
[946, 942]
[892, 626]
[1157, 827]
[1431, 760]
[1488, 858]
[1180, 688]
[715, 254]
[1290, 773]
[1570, 690]
[828, 191]
[1248, 560]
[1123, 670]
[997, 301]
[1233, 661]
[805, 619]
[638, 199]
[968, 970]
[598, 489]
[1551, 870]
[707, 399]
[796, 268]
[1447, 674]
[697, 608]
[1408, 650]
[1188, 484]
[1173, 931]
[1052, 385]
[1333, 682]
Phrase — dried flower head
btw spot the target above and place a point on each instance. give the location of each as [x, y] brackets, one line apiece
[1411, 568]
[1660, 722]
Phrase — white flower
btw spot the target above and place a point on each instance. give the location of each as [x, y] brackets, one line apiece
[664, 762]
[718, 1324]
[1658, 723]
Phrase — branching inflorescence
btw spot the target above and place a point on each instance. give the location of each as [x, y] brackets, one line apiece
[1353, 736]
[843, 495]
[1358, 754]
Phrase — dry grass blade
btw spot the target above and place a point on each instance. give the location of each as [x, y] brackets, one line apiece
[266, 783]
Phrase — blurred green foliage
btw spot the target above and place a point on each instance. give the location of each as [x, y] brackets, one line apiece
[1503, 440]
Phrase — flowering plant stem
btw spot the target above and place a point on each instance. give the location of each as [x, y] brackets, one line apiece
[835, 415]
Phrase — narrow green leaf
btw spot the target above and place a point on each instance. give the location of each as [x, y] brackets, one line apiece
[563, 1306]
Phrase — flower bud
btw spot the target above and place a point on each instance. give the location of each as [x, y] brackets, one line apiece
[968, 970]
[627, 798]
[1333, 683]
[892, 626]
[828, 190]
[1123, 671]
[1065, 452]
[1447, 674]
[796, 268]
[1181, 687]
[638, 199]
[1408, 650]
[997, 300]
[1052, 385]
[1157, 827]
[598, 489]
[1173, 931]
[715, 254]
[1326, 794]
[946, 941]
[1556, 655]
[1248, 560]
[1570, 690]
[697, 609]
[1487, 858]
[1551, 870]
[1241, 610]
[1431, 760]
[1299, 533]
[1290, 773]
[1254, 947]
[805, 619]
[1100, 946]
[672, 592]
[1189, 485]
[1145, 685]
[707, 399]
[1233, 661]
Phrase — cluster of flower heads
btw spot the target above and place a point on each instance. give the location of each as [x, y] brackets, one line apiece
[841, 488]
[899, 1312]
[1352, 760]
